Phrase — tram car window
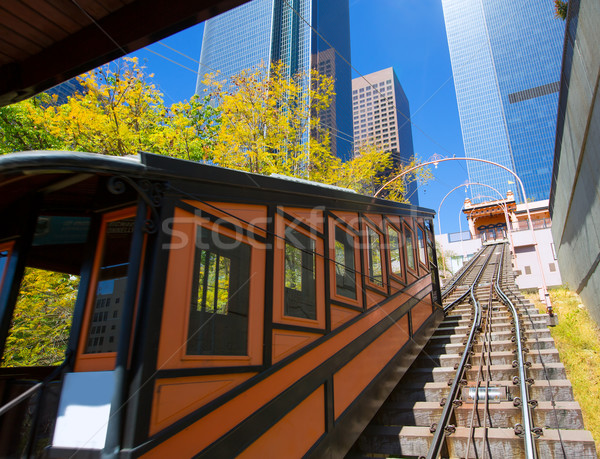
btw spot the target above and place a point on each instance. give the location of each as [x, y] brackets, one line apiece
[345, 268]
[422, 248]
[218, 322]
[299, 277]
[394, 238]
[410, 249]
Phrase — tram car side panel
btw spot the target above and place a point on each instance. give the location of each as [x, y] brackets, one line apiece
[227, 324]
[302, 342]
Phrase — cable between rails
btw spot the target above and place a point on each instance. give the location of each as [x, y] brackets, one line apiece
[438, 436]
[530, 451]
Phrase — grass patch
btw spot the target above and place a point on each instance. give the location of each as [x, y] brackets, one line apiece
[577, 339]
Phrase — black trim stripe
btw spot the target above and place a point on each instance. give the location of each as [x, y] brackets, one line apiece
[359, 413]
[146, 337]
[371, 222]
[298, 328]
[187, 372]
[299, 223]
[343, 223]
[278, 407]
[346, 305]
[376, 290]
[361, 241]
[327, 263]
[201, 213]
[269, 275]
[237, 439]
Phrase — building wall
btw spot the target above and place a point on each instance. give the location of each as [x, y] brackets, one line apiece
[457, 253]
[332, 19]
[506, 58]
[381, 113]
[65, 90]
[575, 197]
[236, 40]
[525, 263]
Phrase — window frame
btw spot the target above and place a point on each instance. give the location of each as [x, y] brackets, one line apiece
[333, 224]
[413, 270]
[397, 277]
[279, 316]
[6, 247]
[100, 361]
[172, 349]
[367, 245]
[422, 263]
[241, 284]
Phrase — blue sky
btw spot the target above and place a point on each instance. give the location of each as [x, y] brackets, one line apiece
[408, 35]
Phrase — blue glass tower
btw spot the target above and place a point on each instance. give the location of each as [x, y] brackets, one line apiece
[506, 59]
[263, 31]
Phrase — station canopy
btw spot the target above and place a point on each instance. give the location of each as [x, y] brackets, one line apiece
[46, 42]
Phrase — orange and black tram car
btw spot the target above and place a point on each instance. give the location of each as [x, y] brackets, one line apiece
[217, 313]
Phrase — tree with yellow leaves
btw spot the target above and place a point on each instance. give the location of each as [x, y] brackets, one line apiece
[371, 167]
[269, 121]
[42, 319]
[262, 120]
[119, 113]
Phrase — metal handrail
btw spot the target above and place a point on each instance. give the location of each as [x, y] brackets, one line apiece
[484, 345]
[438, 436]
[530, 451]
[25, 395]
[32, 390]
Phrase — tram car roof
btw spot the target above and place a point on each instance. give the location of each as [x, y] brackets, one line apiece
[71, 179]
[80, 185]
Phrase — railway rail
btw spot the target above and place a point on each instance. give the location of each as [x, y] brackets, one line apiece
[488, 384]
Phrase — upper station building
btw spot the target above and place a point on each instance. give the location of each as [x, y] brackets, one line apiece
[265, 31]
[382, 118]
[506, 220]
[506, 61]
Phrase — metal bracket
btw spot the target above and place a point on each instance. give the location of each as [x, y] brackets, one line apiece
[151, 193]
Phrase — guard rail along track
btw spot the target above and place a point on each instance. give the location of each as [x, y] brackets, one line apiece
[489, 384]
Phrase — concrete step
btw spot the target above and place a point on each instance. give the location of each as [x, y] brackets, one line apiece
[503, 414]
[415, 441]
[498, 358]
[440, 346]
[498, 372]
[541, 390]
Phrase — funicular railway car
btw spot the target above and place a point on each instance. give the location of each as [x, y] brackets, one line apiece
[218, 313]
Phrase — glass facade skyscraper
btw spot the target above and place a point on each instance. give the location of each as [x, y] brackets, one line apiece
[264, 31]
[506, 59]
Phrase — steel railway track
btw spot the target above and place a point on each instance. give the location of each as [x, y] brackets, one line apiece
[489, 383]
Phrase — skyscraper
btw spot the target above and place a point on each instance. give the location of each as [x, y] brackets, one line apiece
[264, 31]
[381, 117]
[65, 90]
[506, 60]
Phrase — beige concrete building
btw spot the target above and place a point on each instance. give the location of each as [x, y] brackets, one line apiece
[381, 117]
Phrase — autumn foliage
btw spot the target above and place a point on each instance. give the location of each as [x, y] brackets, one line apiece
[262, 120]
[42, 319]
